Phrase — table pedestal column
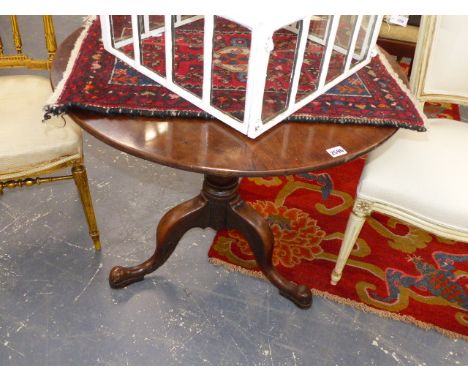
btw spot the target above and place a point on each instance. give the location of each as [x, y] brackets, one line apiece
[218, 206]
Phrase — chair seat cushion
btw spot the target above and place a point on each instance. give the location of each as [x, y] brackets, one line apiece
[424, 174]
[26, 143]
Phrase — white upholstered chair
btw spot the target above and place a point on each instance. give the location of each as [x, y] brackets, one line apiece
[421, 178]
[29, 148]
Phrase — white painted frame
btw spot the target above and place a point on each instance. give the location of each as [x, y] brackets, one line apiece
[260, 48]
[363, 208]
[429, 31]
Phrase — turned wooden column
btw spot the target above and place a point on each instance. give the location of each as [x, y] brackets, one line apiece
[218, 206]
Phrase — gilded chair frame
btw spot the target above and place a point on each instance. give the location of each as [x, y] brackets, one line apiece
[20, 59]
[35, 175]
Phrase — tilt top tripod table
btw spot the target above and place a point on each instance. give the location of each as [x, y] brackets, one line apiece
[223, 156]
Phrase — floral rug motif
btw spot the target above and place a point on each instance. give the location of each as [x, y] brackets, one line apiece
[395, 270]
[100, 82]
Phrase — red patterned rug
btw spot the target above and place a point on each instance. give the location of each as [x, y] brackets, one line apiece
[395, 270]
[430, 272]
[98, 81]
[442, 110]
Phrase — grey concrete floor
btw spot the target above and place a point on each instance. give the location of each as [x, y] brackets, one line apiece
[56, 307]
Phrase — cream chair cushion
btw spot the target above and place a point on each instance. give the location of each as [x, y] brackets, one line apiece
[28, 145]
[423, 174]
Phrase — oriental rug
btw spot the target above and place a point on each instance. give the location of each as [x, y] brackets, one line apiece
[96, 80]
[395, 270]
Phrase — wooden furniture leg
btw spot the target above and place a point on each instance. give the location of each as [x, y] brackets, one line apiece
[258, 234]
[171, 228]
[357, 218]
[81, 180]
[218, 206]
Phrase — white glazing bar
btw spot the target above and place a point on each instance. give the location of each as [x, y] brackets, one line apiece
[207, 58]
[187, 21]
[365, 41]
[106, 31]
[155, 32]
[294, 29]
[308, 99]
[178, 19]
[299, 60]
[352, 45]
[122, 56]
[327, 28]
[318, 40]
[311, 37]
[136, 39]
[168, 48]
[358, 54]
[328, 51]
[330, 84]
[122, 43]
[260, 47]
[375, 35]
[370, 28]
[146, 24]
[197, 101]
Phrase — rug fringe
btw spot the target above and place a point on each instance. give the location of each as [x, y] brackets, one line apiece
[142, 112]
[346, 301]
[53, 107]
[357, 121]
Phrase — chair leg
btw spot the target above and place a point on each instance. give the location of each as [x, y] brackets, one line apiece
[356, 220]
[81, 181]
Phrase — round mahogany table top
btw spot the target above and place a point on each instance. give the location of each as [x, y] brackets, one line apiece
[211, 147]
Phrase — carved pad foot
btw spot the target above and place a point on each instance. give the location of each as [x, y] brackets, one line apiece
[218, 206]
[299, 295]
[257, 231]
[120, 277]
[335, 277]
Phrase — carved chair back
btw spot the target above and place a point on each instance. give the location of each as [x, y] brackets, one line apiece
[52, 152]
[19, 58]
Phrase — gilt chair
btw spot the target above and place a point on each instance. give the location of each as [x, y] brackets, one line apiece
[421, 178]
[29, 148]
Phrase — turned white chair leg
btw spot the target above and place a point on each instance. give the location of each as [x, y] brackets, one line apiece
[356, 220]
